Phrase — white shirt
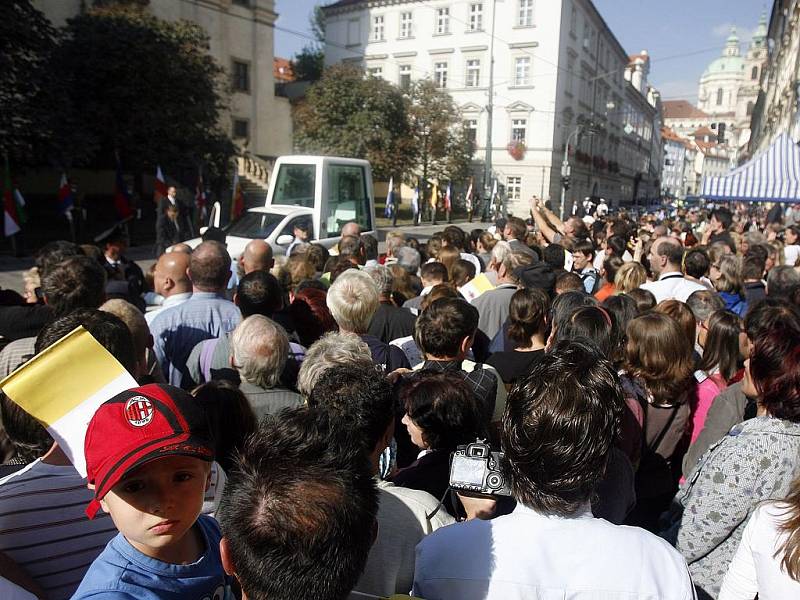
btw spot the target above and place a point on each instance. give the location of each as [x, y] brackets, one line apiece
[755, 568]
[527, 556]
[672, 285]
[169, 301]
[791, 253]
[402, 522]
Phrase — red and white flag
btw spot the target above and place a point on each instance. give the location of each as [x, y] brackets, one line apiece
[160, 190]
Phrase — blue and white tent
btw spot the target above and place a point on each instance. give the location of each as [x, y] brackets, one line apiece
[772, 175]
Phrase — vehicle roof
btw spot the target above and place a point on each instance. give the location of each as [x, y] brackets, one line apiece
[282, 209]
[316, 159]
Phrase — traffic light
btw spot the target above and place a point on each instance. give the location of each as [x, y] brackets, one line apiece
[565, 182]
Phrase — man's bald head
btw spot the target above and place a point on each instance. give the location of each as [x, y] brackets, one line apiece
[183, 248]
[210, 267]
[170, 276]
[257, 256]
[351, 228]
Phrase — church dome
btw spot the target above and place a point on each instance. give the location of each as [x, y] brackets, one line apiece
[730, 63]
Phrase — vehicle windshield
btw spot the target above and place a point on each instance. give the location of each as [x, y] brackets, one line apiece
[295, 185]
[254, 225]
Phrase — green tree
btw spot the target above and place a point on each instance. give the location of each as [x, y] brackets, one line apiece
[27, 95]
[443, 150]
[308, 64]
[347, 114]
[143, 87]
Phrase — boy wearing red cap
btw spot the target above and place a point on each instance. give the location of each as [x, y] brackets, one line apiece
[148, 458]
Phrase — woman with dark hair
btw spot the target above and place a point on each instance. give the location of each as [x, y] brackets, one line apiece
[310, 315]
[624, 310]
[231, 418]
[527, 327]
[658, 373]
[723, 350]
[441, 413]
[755, 461]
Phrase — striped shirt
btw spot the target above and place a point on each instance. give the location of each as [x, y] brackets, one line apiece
[44, 529]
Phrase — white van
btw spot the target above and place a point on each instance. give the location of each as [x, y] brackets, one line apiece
[329, 191]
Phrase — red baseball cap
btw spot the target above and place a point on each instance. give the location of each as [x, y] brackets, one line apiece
[140, 425]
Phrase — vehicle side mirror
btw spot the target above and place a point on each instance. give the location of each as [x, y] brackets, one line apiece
[284, 240]
[203, 230]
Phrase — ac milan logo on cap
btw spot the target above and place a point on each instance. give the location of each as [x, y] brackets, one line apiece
[139, 411]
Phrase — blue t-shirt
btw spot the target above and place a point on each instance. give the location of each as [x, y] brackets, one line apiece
[121, 572]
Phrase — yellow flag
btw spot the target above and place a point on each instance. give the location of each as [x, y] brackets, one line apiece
[62, 387]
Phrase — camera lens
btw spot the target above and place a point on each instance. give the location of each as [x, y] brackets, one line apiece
[494, 481]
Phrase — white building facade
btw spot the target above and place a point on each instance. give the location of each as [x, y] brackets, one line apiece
[778, 106]
[557, 66]
[241, 37]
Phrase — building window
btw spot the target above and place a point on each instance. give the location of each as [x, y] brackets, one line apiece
[405, 25]
[442, 21]
[375, 71]
[476, 17]
[573, 21]
[377, 29]
[754, 73]
[525, 17]
[750, 107]
[719, 96]
[241, 129]
[514, 187]
[518, 129]
[522, 71]
[471, 129]
[570, 74]
[473, 72]
[245, 3]
[440, 74]
[241, 76]
[405, 77]
[353, 32]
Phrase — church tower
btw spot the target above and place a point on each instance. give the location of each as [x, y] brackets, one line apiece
[748, 92]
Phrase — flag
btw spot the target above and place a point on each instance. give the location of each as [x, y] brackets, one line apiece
[160, 190]
[11, 218]
[390, 207]
[200, 195]
[66, 199]
[468, 197]
[415, 201]
[447, 198]
[20, 202]
[38, 387]
[237, 199]
[494, 191]
[434, 195]
[122, 200]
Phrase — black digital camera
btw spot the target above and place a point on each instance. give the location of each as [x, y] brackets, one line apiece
[475, 468]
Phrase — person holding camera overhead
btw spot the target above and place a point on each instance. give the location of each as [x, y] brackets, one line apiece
[559, 426]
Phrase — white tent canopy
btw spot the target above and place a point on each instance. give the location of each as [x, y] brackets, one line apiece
[772, 175]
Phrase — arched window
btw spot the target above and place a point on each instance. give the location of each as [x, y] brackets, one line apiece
[749, 109]
[754, 73]
[719, 96]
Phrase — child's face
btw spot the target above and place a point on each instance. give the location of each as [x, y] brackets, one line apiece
[155, 505]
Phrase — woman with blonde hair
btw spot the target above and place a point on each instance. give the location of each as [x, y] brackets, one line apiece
[629, 277]
[448, 256]
[726, 275]
[657, 369]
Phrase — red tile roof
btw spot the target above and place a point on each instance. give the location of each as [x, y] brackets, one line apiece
[682, 109]
[669, 134]
[282, 70]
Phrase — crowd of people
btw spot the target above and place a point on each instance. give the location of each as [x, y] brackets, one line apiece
[292, 432]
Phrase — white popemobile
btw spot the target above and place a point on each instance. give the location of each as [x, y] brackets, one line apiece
[329, 191]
